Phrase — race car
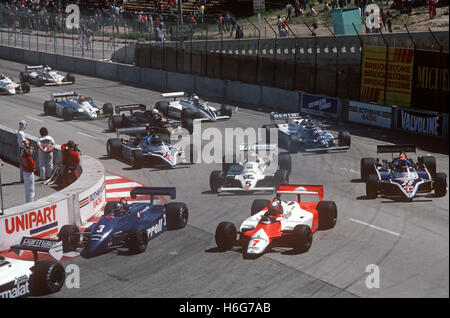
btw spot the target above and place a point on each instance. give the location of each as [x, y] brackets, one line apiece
[255, 173]
[401, 176]
[9, 87]
[20, 278]
[70, 105]
[187, 109]
[280, 223]
[299, 133]
[141, 117]
[127, 225]
[43, 75]
[143, 143]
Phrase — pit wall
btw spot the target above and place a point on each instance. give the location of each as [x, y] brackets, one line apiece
[74, 204]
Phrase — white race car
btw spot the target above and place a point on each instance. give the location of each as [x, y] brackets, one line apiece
[41, 75]
[20, 278]
[69, 105]
[9, 87]
[280, 223]
[190, 108]
[255, 173]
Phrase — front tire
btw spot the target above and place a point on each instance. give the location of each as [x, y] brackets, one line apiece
[372, 186]
[440, 184]
[177, 215]
[368, 167]
[216, 180]
[302, 238]
[327, 214]
[137, 240]
[68, 114]
[108, 109]
[225, 235]
[113, 147]
[138, 159]
[163, 107]
[344, 138]
[48, 277]
[69, 237]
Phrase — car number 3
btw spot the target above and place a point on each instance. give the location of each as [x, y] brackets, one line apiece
[100, 228]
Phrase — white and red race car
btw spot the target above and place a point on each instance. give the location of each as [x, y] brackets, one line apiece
[280, 223]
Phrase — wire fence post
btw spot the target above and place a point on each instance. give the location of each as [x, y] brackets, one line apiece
[315, 56]
[436, 40]
[361, 43]
[103, 40]
[336, 86]
[73, 44]
[274, 53]
[206, 51]
[294, 78]
[257, 52]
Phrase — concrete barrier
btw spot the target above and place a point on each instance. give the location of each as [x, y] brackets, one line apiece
[128, 74]
[155, 79]
[106, 70]
[209, 87]
[180, 82]
[32, 57]
[48, 59]
[238, 92]
[74, 204]
[280, 99]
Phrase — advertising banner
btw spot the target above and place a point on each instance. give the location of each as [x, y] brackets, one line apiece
[430, 81]
[319, 105]
[420, 122]
[92, 200]
[41, 222]
[399, 76]
[370, 114]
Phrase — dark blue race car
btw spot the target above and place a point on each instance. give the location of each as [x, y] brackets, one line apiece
[127, 225]
[402, 176]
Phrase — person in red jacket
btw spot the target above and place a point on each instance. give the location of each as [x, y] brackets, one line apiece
[28, 167]
[70, 160]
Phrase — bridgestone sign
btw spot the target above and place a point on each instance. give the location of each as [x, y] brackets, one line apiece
[259, 6]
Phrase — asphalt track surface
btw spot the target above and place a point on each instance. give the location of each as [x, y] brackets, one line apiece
[408, 241]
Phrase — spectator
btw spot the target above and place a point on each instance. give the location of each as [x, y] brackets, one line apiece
[289, 8]
[239, 32]
[382, 15]
[45, 154]
[279, 23]
[70, 160]
[202, 13]
[312, 11]
[368, 23]
[233, 24]
[326, 7]
[21, 140]
[297, 8]
[432, 8]
[389, 21]
[29, 167]
[409, 5]
[221, 24]
[227, 21]
[284, 30]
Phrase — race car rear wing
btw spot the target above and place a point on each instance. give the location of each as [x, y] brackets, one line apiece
[132, 107]
[284, 116]
[395, 148]
[52, 247]
[328, 149]
[33, 67]
[152, 191]
[64, 95]
[258, 147]
[130, 131]
[173, 95]
[301, 189]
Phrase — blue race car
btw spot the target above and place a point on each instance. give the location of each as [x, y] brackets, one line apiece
[401, 176]
[299, 133]
[127, 225]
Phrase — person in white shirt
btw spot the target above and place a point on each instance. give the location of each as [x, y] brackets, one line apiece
[45, 144]
[21, 144]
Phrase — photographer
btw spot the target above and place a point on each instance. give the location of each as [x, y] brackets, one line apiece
[70, 160]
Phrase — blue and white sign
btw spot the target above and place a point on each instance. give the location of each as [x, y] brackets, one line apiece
[319, 105]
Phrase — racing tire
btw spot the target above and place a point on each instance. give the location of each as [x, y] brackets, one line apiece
[285, 161]
[344, 138]
[225, 236]
[216, 180]
[266, 133]
[68, 114]
[109, 207]
[48, 277]
[138, 159]
[430, 163]
[187, 113]
[108, 109]
[177, 215]
[69, 238]
[302, 238]
[372, 186]
[113, 147]
[163, 107]
[440, 184]
[292, 144]
[137, 240]
[258, 205]
[25, 87]
[226, 110]
[227, 162]
[327, 214]
[368, 167]
[281, 177]
[49, 107]
[40, 82]
[70, 78]
[188, 124]
[24, 77]
[114, 122]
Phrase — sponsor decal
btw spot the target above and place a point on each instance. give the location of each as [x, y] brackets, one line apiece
[420, 123]
[371, 114]
[34, 221]
[19, 288]
[319, 105]
[157, 228]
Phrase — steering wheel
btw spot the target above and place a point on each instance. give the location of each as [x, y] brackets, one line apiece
[123, 200]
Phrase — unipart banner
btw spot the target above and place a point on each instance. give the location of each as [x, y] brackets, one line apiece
[92, 200]
[370, 114]
[319, 105]
[419, 122]
[431, 81]
[42, 222]
[399, 67]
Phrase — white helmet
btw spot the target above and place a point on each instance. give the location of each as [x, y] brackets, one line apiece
[155, 112]
[195, 98]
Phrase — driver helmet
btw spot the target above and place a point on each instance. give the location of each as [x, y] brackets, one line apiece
[155, 140]
[195, 99]
[155, 112]
[402, 163]
[117, 209]
[309, 124]
[275, 208]
[2, 76]
[47, 68]
[253, 157]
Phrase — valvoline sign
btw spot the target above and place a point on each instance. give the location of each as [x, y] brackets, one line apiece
[319, 105]
[41, 222]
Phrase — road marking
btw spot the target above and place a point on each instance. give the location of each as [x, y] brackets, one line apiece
[32, 118]
[350, 170]
[122, 185]
[377, 227]
[113, 177]
[83, 134]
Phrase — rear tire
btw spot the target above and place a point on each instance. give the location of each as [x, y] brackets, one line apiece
[226, 110]
[163, 107]
[266, 133]
[49, 107]
[440, 184]
[25, 87]
[344, 138]
[48, 277]
[68, 114]
[177, 215]
[292, 144]
[302, 238]
[113, 147]
[327, 214]
[108, 109]
[227, 162]
[70, 78]
[372, 186]
[430, 164]
[138, 159]
[67, 234]
[216, 180]
[285, 161]
[24, 77]
[114, 122]
[368, 167]
[137, 240]
[225, 235]
[258, 205]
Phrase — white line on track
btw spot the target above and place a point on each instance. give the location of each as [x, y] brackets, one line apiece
[350, 170]
[122, 185]
[377, 227]
[113, 177]
[32, 118]
[87, 135]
